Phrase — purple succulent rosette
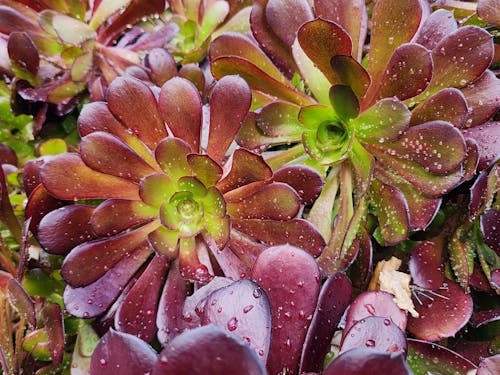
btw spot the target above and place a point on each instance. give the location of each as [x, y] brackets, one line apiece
[373, 131]
[165, 190]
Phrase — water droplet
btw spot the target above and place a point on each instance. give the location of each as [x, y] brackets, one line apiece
[370, 343]
[232, 324]
[246, 309]
[257, 293]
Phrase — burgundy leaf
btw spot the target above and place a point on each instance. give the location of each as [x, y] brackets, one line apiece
[137, 312]
[487, 137]
[374, 303]
[23, 52]
[31, 174]
[286, 16]
[243, 309]
[375, 332]
[426, 264]
[489, 366]
[484, 317]
[229, 104]
[161, 65]
[217, 352]
[39, 205]
[351, 73]
[490, 224]
[22, 301]
[437, 26]
[483, 98]
[334, 298]
[123, 352]
[54, 326]
[441, 315]
[364, 361]
[63, 229]
[306, 181]
[488, 11]
[290, 277]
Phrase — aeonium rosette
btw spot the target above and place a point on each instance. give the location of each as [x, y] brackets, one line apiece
[165, 190]
[382, 133]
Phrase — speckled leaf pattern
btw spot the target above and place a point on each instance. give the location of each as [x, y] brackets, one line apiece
[426, 264]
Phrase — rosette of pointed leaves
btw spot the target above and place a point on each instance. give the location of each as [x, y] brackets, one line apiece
[399, 162]
[160, 187]
[57, 48]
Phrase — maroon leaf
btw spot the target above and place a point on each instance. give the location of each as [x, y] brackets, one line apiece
[22, 301]
[180, 106]
[487, 137]
[351, 73]
[488, 11]
[120, 351]
[290, 277]
[374, 303]
[489, 366]
[229, 103]
[375, 332]
[333, 299]
[136, 314]
[364, 361]
[95, 298]
[54, 326]
[426, 264]
[490, 224]
[31, 174]
[306, 181]
[243, 309]
[126, 98]
[441, 315]
[483, 98]
[23, 53]
[39, 204]
[63, 229]
[286, 16]
[161, 65]
[170, 319]
[437, 26]
[484, 317]
[218, 352]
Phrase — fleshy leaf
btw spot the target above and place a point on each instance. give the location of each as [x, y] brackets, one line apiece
[490, 224]
[306, 181]
[489, 365]
[171, 155]
[344, 102]
[63, 229]
[435, 320]
[165, 242]
[69, 29]
[128, 97]
[279, 119]
[426, 264]
[351, 73]
[161, 65]
[290, 278]
[437, 26]
[222, 353]
[22, 301]
[334, 298]
[286, 16]
[483, 98]
[377, 333]
[243, 309]
[136, 314]
[488, 11]
[447, 105]
[67, 177]
[121, 350]
[39, 204]
[23, 55]
[487, 137]
[180, 106]
[363, 361]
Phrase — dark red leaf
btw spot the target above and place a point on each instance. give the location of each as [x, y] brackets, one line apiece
[487, 137]
[484, 317]
[284, 17]
[161, 64]
[490, 228]
[306, 181]
[426, 264]
[437, 26]
[483, 98]
[23, 53]
[39, 205]
[22, 301]
[54, 325]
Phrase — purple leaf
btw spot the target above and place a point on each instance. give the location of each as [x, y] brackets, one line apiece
[490, 228]
[306, 181]
[23, 53]
[426, 264]
[284, 17]
[484, 317]
[290, 277]
[217, 352]
[437, 26]
[487, 137]
[489, 366]
[39, 204]
[122, 352]
[488, 11]
[483, 98]
[54, 325]
[22, 301]
[161, 64]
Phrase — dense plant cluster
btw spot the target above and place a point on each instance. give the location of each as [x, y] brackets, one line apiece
[257, 187]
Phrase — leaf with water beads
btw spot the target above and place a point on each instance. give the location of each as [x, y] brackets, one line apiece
[306, 181]
[437, 26]
[22, 301]
[280, 119]
[490, 229]
[487, 136]
[426, 264]
[52, 316]
[483, 98]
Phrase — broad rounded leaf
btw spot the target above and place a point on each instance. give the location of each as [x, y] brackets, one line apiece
[284, 17]
[490, 228]
[488, 11]
[23, 53]
[483, 98]
[437, 26]
[426, 264]
[487, 137]
[306, 181]
[447, 105]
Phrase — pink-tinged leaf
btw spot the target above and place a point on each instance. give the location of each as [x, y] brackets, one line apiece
[377, 333]
[205, 169]
[306, 181]
[270, 43]
[250, 135]
[171, 155]
[229, 104]
[442, 315]
[161, 65]
[12, 20]
[487, 137]
[291, 279]
[285, 17]
[91, 260]
[447, 105]
[489, 365]
[170, 319]
[189, 262]
[488, 11]
[219, 352]
[484, 317]
[23, 53]
[351, 15]
[426, 357]
[63, 229]
[408, 72]
[39, 204]
[275, 201]
[392, 212]
[180, 107]
[257, 78]
[54, 326]
[136, 314]
[461, 57]
[490, 224]
[384, 121]
[321, 40]
[483, 98]
[244, 167]
[116, 215]
[128, 97]
[107, 154]
[351, 73]
[392, 25]
[193, 73]
[334, 298]
[67, 177]
[374, 303]
[364, 361]
[436, 27]
[245, 247]
[95, 298]
[296, 232]
[243, 309]
[21, 301]
[426, 264]
[361, 270]
[117, 350]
